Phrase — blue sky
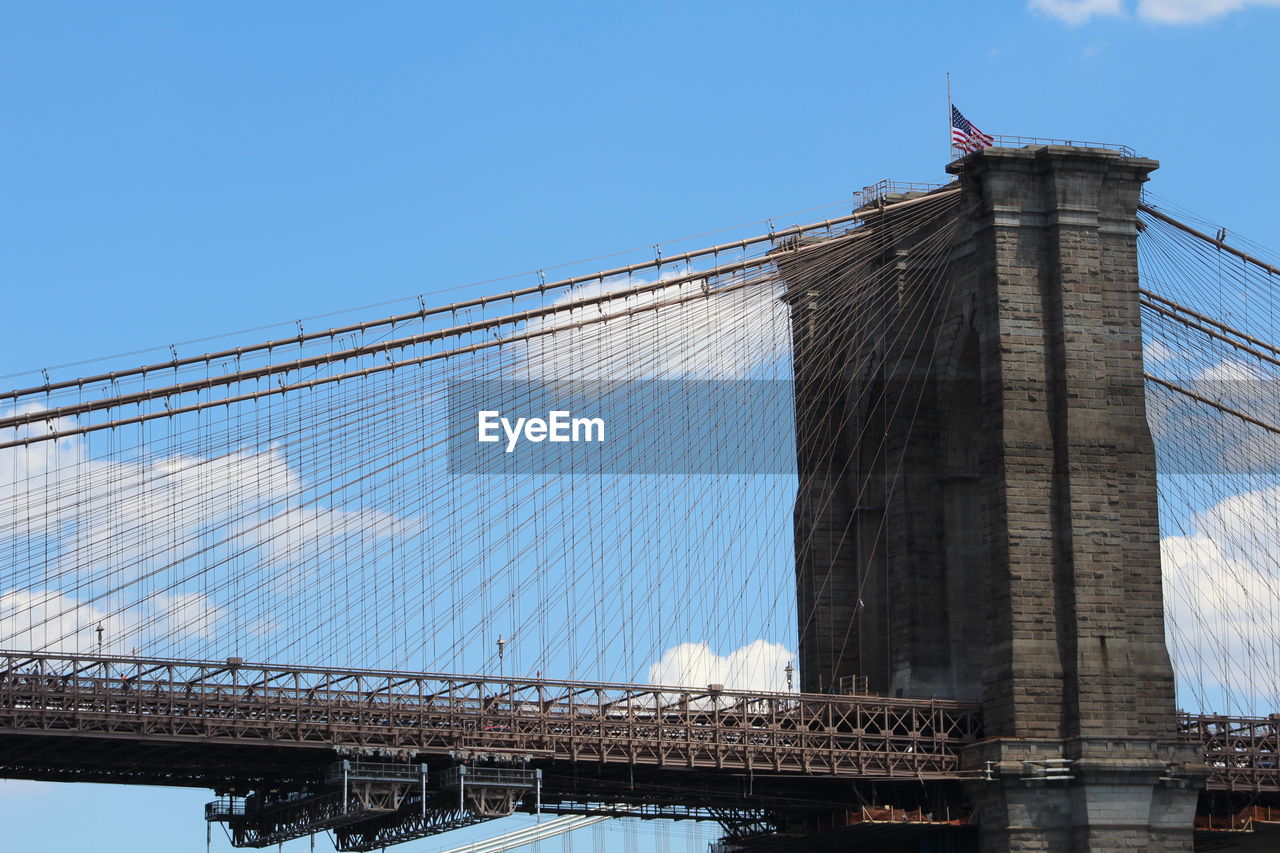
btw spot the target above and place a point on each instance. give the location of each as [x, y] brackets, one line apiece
[175, 170]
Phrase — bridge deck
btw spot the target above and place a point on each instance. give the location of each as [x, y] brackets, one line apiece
[213, 703]
[236, 705]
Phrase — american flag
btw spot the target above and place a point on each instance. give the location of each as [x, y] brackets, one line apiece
[965, 136]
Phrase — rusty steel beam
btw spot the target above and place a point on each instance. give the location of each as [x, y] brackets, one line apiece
[1243, 753]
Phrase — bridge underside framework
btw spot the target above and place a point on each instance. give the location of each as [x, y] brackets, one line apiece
[312, 499]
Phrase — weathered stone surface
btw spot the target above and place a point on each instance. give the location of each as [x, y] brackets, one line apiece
[1017, 557]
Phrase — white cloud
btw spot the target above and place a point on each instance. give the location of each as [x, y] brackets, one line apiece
[52, 621]
[1076, 12]
[1171, 12]
[1192, 437]
[54, 488]
[717, 336]
[1193, 11]
[15, 788]
[1222, 588]
[1230, 370]
[759, 665]
[292, 538]
[100, 524]
[1250, 388]
[45, 620]
[1156, 352]
[186, 614]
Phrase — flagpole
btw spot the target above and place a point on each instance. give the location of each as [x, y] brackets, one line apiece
[950, 144]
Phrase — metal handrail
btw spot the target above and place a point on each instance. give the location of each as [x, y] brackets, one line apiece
[886, 187]
[506, 777]
[223, 808]
[358, 770]
[1006, 141]
[123, 668]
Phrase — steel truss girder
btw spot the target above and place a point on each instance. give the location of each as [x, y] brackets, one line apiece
[351, 791]
[289, 820]
[781, 733]
[214, 706]
[408, 824]
[1243, 753]
[273, 822]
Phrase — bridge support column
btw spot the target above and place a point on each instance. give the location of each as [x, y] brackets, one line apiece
[1078, 691]
[1017, 555]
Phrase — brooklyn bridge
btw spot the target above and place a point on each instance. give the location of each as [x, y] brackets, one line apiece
[980, 480]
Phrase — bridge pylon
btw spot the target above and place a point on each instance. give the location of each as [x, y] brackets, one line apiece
[977, 514]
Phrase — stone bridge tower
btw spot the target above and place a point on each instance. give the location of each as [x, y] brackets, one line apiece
[1013, 556]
